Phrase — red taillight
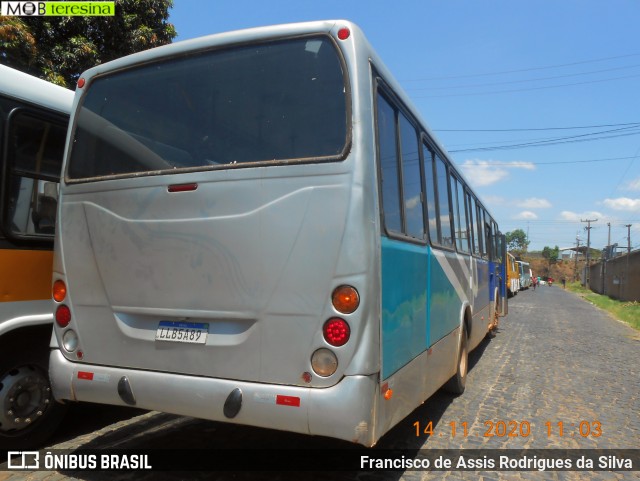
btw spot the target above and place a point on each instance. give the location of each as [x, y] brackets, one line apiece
[63, 316]
[81, 83]
[336, 331]
[59, 291]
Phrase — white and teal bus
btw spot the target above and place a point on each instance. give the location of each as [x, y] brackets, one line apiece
[34, 115]
[525, 275]
[257, 227]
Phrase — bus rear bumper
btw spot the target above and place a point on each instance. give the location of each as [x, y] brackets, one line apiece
[344, 411]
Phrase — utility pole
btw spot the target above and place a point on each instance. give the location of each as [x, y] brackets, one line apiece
[628, 226]
[626, 274]
[575, 268]
[605, 259]
[587, 270]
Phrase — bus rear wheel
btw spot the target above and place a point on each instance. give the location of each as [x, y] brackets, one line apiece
[457, 383]
[28, 412]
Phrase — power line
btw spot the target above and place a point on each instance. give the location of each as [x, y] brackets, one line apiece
[529, 69]
[538, 129]
[526, 89]
[545, 143]
[542, 140]
[510, 82]
[624, 174]
[553, 222]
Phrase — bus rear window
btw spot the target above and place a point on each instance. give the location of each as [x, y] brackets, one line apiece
[264, 103]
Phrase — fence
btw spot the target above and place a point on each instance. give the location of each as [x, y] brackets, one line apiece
[618, 278]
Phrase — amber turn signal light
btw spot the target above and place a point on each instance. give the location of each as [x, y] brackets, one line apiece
[345, 299]
[59, 290]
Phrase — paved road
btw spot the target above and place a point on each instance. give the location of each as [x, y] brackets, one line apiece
[556, 359]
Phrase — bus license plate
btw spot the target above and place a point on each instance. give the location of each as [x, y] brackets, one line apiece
[190, 332]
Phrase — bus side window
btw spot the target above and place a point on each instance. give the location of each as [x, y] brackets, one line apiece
[35, 148]
[496, 242]
[484, 233]
[460, 220]
[471, 206]
[429, 178]
[488, 240]
[412, 179]
[444, 211]
[389, 166]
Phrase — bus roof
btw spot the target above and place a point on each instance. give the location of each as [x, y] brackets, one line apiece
[25, 87]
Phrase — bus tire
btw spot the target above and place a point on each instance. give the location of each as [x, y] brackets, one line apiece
[29, 413]
[456, 384]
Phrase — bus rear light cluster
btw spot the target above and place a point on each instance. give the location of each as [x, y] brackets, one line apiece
[335, 331]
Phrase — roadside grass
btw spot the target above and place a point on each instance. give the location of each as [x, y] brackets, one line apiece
[628, 312]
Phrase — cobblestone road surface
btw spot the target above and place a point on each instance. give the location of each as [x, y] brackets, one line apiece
[556, 359]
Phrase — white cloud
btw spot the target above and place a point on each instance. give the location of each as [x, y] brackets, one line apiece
[623, 203]
[567, 215]
[577, 217]
[521, 165]
[633, 184]
[526, 215]
[481, 173]
[486, 172]
[534, 203]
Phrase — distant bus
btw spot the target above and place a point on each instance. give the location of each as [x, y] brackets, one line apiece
[513, 275]
[257, 227]
[34, 115]
[525, 274]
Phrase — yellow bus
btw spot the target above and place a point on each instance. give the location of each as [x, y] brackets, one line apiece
[34, 115]
[513, 275]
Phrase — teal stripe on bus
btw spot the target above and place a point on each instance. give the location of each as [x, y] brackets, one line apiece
[419, 304]
[405, 313]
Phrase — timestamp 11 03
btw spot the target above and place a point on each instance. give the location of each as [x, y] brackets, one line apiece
[583, 429]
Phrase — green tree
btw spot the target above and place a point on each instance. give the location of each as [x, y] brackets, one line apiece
[517, 241]
[551, 255]
[59, 49]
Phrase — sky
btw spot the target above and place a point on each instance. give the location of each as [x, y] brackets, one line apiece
[537, 102]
